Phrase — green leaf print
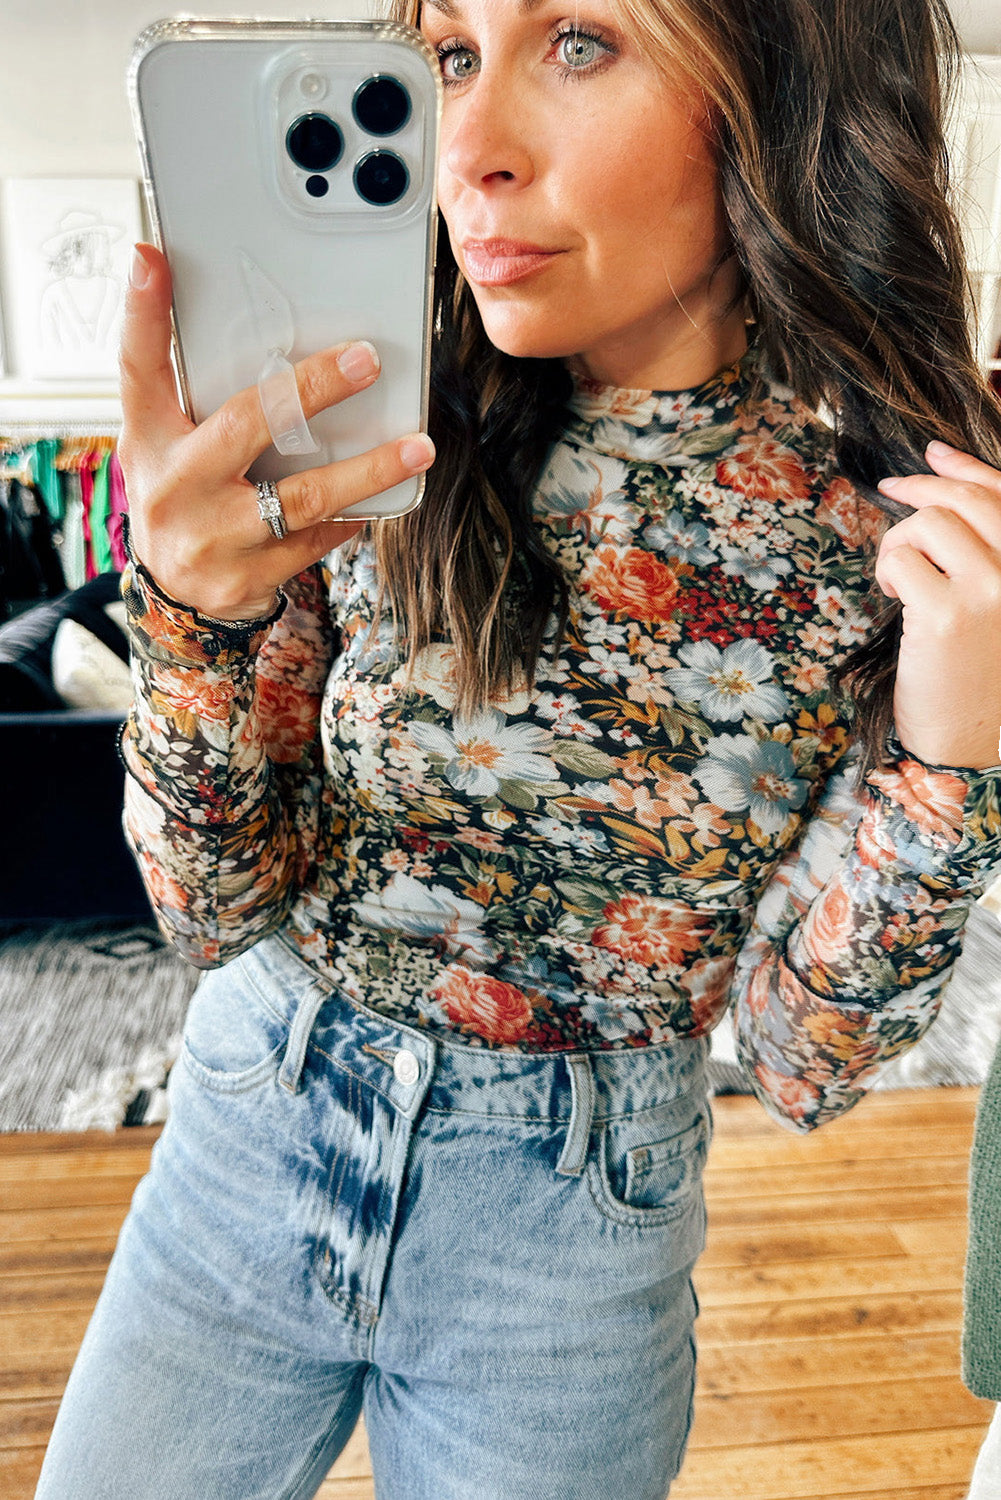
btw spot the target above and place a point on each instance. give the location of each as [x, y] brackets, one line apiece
[583, 760]
[590, 897]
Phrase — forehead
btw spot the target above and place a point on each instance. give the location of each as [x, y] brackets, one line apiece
[453, 8]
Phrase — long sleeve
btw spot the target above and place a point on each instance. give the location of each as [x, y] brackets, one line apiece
[856, 934]
[222, 750]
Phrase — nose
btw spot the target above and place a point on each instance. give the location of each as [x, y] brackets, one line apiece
[486, 136]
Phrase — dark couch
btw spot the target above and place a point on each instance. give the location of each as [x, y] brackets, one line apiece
[63, 854]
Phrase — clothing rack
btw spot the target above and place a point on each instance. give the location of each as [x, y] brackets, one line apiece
[62, 500]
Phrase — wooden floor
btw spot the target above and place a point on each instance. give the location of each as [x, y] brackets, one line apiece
[830, 1295]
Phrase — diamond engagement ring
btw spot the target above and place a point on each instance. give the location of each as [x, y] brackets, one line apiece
[270, 506]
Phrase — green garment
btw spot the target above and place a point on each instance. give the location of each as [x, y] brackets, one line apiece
[100, 516]
[982, 1299]
[46, 476]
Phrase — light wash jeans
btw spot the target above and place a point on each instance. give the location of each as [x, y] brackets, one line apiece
[986, 1482]
[487, 1252]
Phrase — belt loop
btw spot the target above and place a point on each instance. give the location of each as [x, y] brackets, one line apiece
[308, 1009]
[574, 1157]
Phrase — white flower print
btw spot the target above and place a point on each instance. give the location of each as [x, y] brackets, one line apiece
[406, 906]
[564, 710]
[755, 565]
[481, 752]
[729, 684]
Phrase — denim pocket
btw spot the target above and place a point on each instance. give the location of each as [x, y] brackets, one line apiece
[233, 1039]
[642, 1171]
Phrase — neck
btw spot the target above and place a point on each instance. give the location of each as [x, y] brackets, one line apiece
[683, 350]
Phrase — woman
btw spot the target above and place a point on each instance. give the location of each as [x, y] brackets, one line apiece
[473, 890]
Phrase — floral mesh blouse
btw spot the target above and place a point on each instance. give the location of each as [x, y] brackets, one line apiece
[663, 826]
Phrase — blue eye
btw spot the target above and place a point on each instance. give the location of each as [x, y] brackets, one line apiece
[458, 64]
[578, 49]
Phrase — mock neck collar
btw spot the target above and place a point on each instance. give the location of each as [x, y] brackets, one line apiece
[645, 426]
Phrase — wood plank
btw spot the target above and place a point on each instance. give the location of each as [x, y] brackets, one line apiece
[832, 1317]
[26, 1423]
[34, 1374]
[74, 1288]
[90, 1161]
[79, 1142]
[354, 1462]
[934, 1237]
[42, 1258]
[769, 1365]
[42, 1331]
[837, 1179]
[805, 1280]
[933, 1109]
[879, 1408]
[58, 1223]
[806, 1242]
[877, 1143]
[832, 1468]
[34, 1193]
[858, 1207]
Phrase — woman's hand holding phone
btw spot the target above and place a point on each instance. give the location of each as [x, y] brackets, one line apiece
[193, 516]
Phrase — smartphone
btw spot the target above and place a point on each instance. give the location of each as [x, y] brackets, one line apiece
[290, 171]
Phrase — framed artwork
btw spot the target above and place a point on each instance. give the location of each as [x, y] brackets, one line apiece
[65, 249]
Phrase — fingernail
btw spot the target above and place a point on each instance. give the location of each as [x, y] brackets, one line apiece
[417, 452]
[139, 270]
[939, 450]
[888, 484]
[359, 361]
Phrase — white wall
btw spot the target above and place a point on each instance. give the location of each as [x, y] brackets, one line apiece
[63, 109]
[979, 23]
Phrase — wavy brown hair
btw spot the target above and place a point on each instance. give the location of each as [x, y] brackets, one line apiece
[834, 176]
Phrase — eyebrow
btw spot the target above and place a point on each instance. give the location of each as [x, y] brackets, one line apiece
[450, 9]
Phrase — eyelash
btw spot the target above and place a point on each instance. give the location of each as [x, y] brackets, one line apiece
[455, 47]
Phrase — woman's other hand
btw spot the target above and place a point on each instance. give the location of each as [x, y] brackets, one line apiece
[193, 516]
[944, 564]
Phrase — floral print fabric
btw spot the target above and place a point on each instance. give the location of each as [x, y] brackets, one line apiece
[661, 827]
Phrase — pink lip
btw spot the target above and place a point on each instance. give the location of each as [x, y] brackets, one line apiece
[501, 262]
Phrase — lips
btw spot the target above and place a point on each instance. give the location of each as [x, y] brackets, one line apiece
[502, 262]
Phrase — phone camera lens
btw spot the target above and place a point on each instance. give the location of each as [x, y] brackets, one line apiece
[317, 187]
[382, 106]
[381, 178]
[314, 143]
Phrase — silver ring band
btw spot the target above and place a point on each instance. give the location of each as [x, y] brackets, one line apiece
[270, 507]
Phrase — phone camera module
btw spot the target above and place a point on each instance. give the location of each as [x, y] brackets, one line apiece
[381, 178]
[382, 106]
[314, 143]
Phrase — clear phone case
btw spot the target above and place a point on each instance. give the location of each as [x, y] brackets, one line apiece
[290, 173]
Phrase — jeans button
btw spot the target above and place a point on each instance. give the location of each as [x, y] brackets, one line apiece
[406, 1067]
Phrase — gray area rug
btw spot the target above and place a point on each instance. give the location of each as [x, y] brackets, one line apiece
[90, 1023]
[90, 1020]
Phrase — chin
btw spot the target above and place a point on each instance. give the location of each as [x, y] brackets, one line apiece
[528, 337]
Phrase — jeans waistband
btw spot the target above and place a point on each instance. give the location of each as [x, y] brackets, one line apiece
[393, 1057]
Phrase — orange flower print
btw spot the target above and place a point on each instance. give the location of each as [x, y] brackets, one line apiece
[289, 718]
[489, 1007]
[794, 1096]
[829, 924]
[856, 520]
[633, 580]
[646, 931]
[764, 470]
[873, 850]
[759, 990]
[931, 799]
[708, 984]
[191, 690]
